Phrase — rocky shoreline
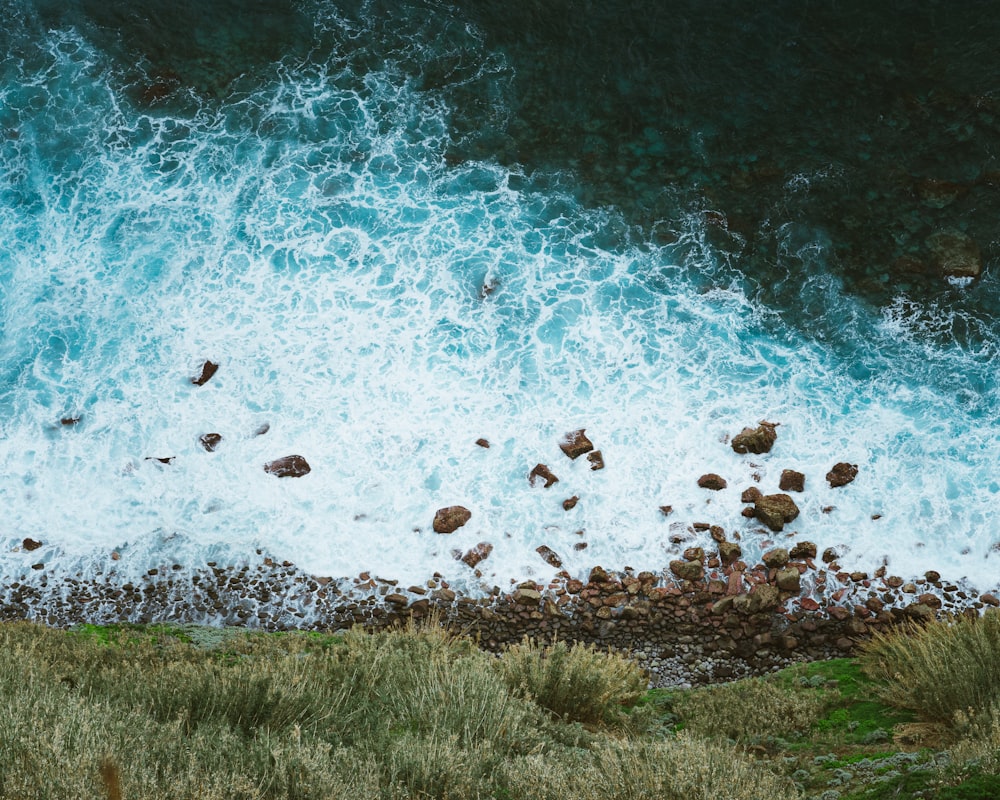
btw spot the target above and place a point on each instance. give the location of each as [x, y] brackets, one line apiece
[732, 622]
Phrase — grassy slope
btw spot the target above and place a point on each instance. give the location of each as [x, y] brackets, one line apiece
[163, 711]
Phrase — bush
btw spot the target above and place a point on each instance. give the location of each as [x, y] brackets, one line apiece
[941, 670]
[749, 710]
[578, 683]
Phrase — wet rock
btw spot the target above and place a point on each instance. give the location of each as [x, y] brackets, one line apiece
[687, 570]
[166, 460]
[694, 554]
[484, 443]
[526, 597]
[756, 440]
[788, 580]
[717, 533]
[751, 495]
[830, 555]
[451, 518]
[936, 193]
[288, 467]
[596, 460]
[729, 552]
[570, 502]
[30, 544]
[802, 550]
[666, 510]
[542, 474]
[990, 599]
[598, 575]
[208, 369]
[712, 481]
[210, 441]
[262, 429]
[777, 557]
[932, 575]
[576, 443]
[928, 599]
[478, 553]
[69, 420]
[841, 474]
[774, 510]
[792, 481]
[955, 255]
[764, 597]
[549, 556]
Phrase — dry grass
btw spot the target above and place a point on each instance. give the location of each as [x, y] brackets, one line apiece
[390, 716]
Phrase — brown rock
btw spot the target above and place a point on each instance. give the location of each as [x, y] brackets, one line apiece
[764, 597]
[484, 443]
[570, 502]
[694, 554]
[756, 440]
[478, 553]
[717, 533]
[777, 557]
[751, 495]
[596, 460]
[575, 444]
[830, 555]
[932, 575]
[687, 570]
[288, 467]
[210, 441]
[928, 599]
[802, 551]
[712, 481]
[792, 481]
[666, 510]
[788, 580]
[774, 510]
[450, 519]
[526, 597]
[729, 552]
[598, 575]
[842, 474]
[990, 599]
[542, 474]
[208, 369]
[549, 556]
[30, 544]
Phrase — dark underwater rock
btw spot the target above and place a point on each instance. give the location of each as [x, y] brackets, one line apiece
[955, 255]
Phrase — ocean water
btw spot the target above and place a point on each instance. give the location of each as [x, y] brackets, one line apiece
[402, 227]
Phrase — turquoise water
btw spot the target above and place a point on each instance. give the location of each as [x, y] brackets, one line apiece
[399, 229]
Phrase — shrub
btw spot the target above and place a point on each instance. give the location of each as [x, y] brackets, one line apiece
[749, 710]
[577, 683]
[939, 670]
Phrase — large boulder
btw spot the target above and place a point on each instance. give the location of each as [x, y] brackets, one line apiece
[842, 474]
[450, 519]
[774, 510]
[576, 443]
[288, 467]
[756, 440]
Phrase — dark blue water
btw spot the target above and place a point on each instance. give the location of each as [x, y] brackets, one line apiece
[402, 227]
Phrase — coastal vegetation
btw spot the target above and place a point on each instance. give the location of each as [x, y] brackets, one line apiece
[187, 712]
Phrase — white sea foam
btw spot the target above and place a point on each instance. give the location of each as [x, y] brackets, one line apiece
[313, 241]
